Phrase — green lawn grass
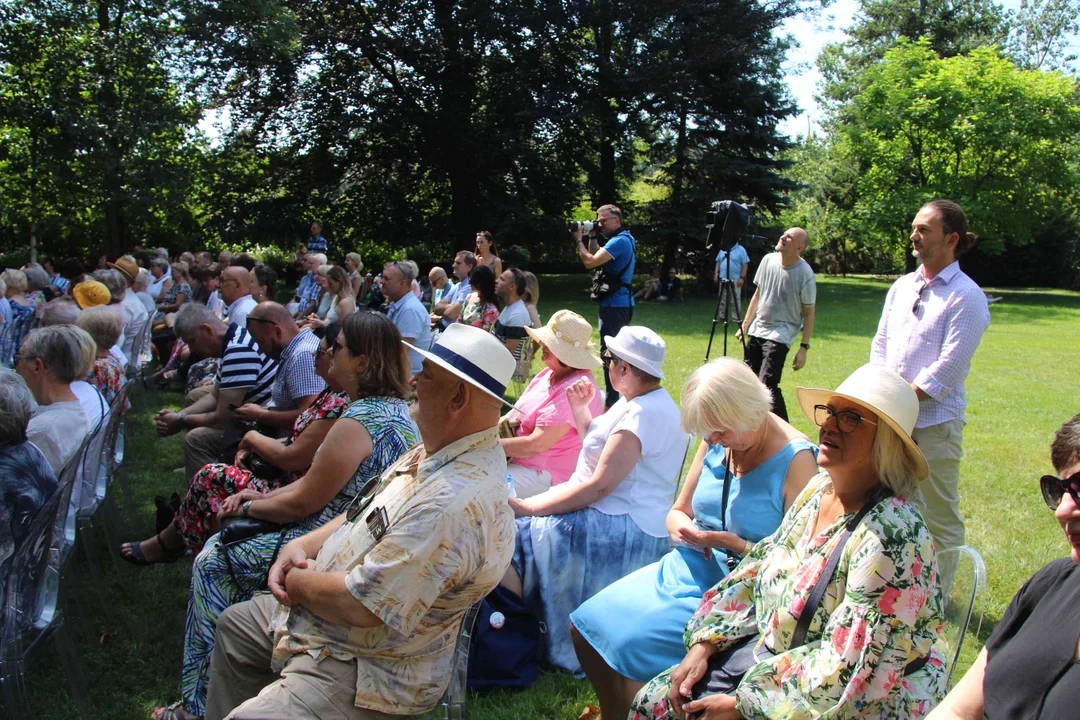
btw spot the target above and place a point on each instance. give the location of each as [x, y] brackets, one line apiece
[1019, 392]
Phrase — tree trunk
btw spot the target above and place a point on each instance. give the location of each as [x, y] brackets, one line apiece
[606, 93]
[108, 105]
[678, 175]
[454, 133]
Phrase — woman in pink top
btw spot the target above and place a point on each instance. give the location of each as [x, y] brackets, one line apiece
[545, 446]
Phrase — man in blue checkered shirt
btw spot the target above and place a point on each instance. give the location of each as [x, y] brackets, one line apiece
[307, 292]
[317, 243]
[296, 385]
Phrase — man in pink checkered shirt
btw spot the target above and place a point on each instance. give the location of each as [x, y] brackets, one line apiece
[929, 330]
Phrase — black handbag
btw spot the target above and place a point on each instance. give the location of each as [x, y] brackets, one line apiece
[505, 646]
[238, 529]
[261, 468]
[727, 667]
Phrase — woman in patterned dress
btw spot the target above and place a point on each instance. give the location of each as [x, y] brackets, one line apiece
[173, 298]
[105, 324]
[482, 306]
[372, 433]
[868, 650]
[197, 517]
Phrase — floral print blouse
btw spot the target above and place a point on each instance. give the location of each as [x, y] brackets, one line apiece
[109, 378]
[882, 610]
[327, 405]
[477, 314]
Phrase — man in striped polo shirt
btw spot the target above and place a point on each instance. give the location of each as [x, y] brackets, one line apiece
[245, 375]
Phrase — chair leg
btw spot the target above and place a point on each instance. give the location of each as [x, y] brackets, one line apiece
[73, 670]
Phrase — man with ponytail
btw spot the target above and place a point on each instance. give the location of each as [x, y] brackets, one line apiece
[929, 330]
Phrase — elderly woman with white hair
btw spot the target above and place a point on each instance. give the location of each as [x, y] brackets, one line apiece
[749, 468]
[836, 613]
[50, 360]
[104, 324]
[163, 281]
[26, 480]
[142, 282]
[607, 520]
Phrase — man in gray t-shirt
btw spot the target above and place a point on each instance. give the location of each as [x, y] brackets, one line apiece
[782, 304]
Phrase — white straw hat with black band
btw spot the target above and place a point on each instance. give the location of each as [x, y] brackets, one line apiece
[882, 392]
[473, 355]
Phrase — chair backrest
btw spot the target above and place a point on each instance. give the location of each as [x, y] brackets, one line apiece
[139, 349]
[964, 574]
[523, 355]
[89, 465]
[33, 583]
[453, 699]
[113, 448]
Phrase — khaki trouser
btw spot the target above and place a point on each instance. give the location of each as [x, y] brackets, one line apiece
[941, 444]
[202, 446]
[197, 394]
[243, 687]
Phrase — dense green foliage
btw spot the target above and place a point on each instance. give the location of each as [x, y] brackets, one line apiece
[400, 125]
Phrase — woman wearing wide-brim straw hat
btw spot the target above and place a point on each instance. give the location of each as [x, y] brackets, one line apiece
[867, 648]
[546, 444]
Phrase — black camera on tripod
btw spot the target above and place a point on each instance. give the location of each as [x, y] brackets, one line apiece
[733, 219]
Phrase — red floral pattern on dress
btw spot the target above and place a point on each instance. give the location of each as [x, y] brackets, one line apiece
[214, 483]
[108, 377]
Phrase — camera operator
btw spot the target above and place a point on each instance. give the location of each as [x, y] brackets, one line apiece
[617, 259]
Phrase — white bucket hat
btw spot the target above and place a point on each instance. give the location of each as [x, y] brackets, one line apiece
[639, 346]
[567, 335]
[473, 355]
[883, 393]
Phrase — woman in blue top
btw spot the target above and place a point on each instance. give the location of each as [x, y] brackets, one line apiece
[634, 627]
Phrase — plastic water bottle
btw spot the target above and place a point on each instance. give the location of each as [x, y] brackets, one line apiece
[510, 492]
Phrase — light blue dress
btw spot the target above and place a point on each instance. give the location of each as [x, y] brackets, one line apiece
[637, 623]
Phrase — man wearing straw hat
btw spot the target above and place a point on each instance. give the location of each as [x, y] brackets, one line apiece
[546, 444]
[365, 610]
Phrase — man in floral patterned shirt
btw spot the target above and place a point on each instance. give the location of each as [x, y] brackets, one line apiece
[365, 611]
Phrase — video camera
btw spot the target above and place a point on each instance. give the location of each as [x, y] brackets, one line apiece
[733, 219]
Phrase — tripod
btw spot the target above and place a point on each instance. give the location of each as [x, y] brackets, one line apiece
[727, 297]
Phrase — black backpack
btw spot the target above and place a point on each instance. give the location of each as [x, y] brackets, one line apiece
[505, 656]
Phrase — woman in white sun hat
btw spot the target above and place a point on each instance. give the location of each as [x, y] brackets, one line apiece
[544, 450]
[836, 613]
[609, 518]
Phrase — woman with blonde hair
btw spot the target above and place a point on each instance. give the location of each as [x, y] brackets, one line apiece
[532, 299]
[836, 613]
[749, 467]
[339, 290]
[355, 267]
[22, 314]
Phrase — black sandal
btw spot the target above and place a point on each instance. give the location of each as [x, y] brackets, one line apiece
[172, 712]
[136, 557]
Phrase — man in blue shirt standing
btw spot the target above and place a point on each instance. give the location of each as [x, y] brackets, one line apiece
[617, 257]
[317, 243]
[406, 311]
[734, 271]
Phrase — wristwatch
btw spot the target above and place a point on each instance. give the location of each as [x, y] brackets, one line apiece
[244, 507]
[804, 346]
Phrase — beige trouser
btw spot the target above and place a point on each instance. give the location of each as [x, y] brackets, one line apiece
[243, 687]
[941, 444]
[197, 394]
[202, 446]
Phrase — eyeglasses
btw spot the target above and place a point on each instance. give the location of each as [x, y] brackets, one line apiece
[918, 299]
[846, 420]
[1053, 489]
[607, 357]
[268, 321]
[601, 221]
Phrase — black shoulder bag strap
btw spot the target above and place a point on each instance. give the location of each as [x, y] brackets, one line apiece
[798, 638]
[731, 561]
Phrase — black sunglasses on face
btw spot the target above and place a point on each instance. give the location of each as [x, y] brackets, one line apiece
[608, 358]
[1054, 489]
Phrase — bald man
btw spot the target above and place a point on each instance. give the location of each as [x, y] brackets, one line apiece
[782, 305]
[236, 293]
[296, 384]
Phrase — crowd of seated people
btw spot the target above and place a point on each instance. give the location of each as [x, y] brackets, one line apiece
[359, 466]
